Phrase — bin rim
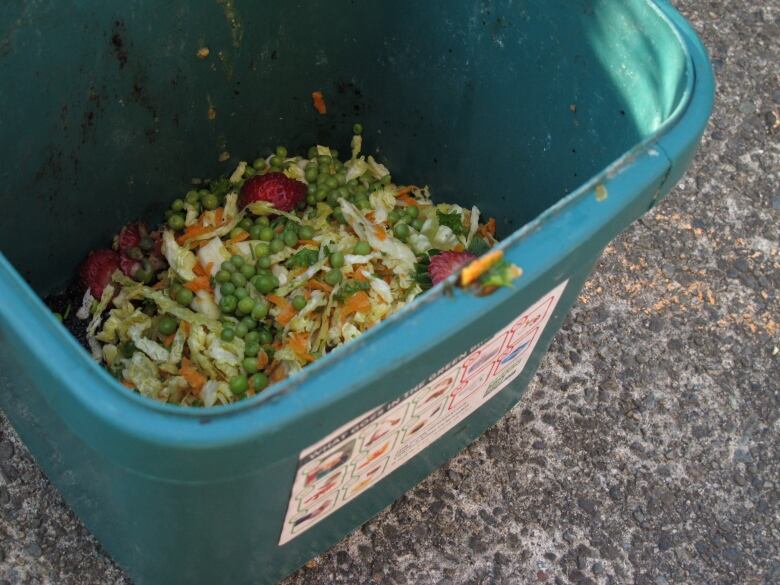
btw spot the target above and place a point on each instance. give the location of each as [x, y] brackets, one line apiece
[30, 319]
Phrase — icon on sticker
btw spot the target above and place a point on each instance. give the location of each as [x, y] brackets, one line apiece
[330, 463]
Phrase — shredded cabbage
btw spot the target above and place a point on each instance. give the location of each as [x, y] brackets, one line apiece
[180, 259]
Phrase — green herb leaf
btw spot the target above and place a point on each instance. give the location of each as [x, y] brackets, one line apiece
[477, 246]
[303, 258]
[453, 221]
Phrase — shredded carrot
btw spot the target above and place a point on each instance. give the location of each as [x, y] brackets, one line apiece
[380, 232]
[458, 248]
[168, 341]
[406, 190]
[277, 372]
[357, 303]
[308, 243]
[239, 238]
[298, 343]
[218, 215]
[411, 201]
[158, 285]
[370, 216]
[489, 229]
[194, 378]
[185, 326]
[199, 283]
[277, 345]
[193, 232]
[288, 312]
[128, 384]
[359, 275]
[478, 267]
[198, 269]
[319, 102]
[319, 286]
[262, 359]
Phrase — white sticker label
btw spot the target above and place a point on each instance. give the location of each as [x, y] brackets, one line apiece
[354, 457]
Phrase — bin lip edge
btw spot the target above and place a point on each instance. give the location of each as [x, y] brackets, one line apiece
[43, 319]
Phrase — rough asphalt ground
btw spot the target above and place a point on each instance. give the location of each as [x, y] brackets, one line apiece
[647, 448]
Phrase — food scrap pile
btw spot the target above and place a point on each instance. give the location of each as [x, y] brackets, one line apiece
[257, 275]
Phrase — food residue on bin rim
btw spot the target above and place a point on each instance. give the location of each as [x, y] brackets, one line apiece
[263, 272]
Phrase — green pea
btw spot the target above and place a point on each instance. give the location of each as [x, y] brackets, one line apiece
[192, 197]
[321, 195]
[266, 234]
[167, 325]
[310, 173]
[281, 152]
[311, 200]
[252, 348]
[222, 276]
[250, 365]
[238, 279]
[306, 232]
[333, 277]
[332, 183]
[401, 231]
[143, 275]
[177, 205]
[184, 296]
[203, 193]
[176, 222]
[311, 189]
[228, 288]
[290, 238]
[240, 293]
[324, 160]
[252, 337]
[262, 220]
[246, 305]
[260, 311]
[341, 177]
[255, 231]
[265, 337]
[393, 217]
[259, 164]
[362, 202]
[298, 302]
[274, 280]
[418, 223]
[264, 262]
[337, 260]
[228, 303]
[249, 322]
[262, 250]
[237, 260]
[333, 197]
[228, 266]
[259, 381]
[235, 232]
[412, 212]
[357, 128]
[386, 180]
[322, 178]
[249, 172]
[334, 153]
[228, 334]
[339, 216]
[265, 284]
[241, 330]
[238, 384]
[362, 248]
[210, 202]
[276, 161]
[277, 246]
[248, 271]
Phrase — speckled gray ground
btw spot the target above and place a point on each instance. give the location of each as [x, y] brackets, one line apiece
[646, 450]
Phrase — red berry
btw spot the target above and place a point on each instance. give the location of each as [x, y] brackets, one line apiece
[446, 263]
[276, 188]
[97, 269]
[128, 265]
[129, 236]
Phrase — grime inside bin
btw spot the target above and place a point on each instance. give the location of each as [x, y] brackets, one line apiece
[109, 111]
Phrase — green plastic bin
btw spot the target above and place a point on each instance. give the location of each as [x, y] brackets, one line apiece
[566, 120]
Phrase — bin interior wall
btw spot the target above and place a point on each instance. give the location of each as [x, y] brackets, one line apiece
[505, 104]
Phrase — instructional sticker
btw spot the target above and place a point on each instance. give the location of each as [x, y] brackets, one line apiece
[357, 455]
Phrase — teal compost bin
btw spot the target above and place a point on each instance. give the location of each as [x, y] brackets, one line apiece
[566, 120]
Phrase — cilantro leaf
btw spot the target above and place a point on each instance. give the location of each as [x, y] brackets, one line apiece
[453, 221]
[303, 258]
[478, 246]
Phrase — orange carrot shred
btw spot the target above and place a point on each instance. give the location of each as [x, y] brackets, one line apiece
[194, 378]
[298, 342]
[316, 284]
[262, 359]
[199, 283]
[192, 232]
[308, 243]
[380, 232]
[218, 214]
[408, 200]
[185, 326]
[128, 384]
[489, 228]
[319, 102]
[287, 310]
[359, 275]
[357, 303]
[168, 341]
[406, 190]
[239, 238]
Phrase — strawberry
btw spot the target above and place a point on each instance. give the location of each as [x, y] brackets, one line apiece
[97, 269]
[446, 263]
[129, 237]
[276, 188]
